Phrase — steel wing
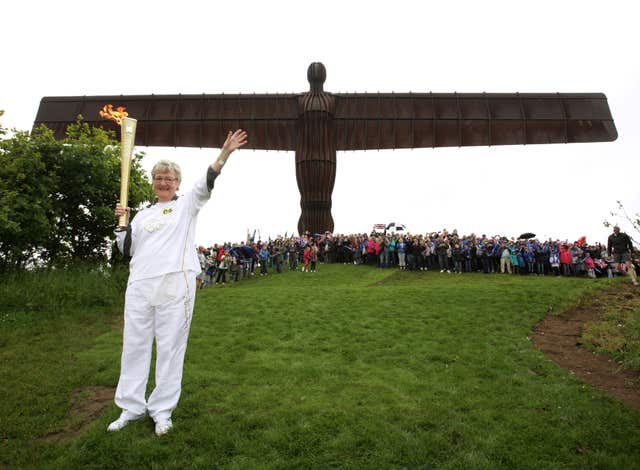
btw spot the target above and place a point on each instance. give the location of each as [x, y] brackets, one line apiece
[410, 120]
[185, 120]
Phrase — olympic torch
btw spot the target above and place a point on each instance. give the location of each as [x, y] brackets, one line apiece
[127, 142]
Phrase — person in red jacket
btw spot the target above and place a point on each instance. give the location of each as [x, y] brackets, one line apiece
[372, 251]
[305, 258]
[565, 260]
[590, 266]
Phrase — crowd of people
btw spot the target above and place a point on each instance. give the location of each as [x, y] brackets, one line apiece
[446, 252]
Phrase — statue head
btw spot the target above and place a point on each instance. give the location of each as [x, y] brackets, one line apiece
[316, 74]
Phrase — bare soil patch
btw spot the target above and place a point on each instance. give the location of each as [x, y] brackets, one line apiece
[559, 337]
[87, 405]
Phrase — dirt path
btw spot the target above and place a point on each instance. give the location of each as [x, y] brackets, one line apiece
[88, 405]
[558, 336]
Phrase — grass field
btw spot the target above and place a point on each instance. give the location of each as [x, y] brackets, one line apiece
[349, 367]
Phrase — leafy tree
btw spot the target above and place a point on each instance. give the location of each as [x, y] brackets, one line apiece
[57, 197]
[25, 205]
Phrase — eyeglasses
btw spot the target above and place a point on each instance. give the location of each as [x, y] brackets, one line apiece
[164, 179]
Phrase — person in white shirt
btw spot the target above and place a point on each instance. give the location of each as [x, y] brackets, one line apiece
[161, 289]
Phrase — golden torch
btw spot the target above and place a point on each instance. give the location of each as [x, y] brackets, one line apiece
[127, 141]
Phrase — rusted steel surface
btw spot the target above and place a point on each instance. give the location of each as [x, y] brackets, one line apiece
[316, 124]
[316, 155]
[185, 120]
[410, 120]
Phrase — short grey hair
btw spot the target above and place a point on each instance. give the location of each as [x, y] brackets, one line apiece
[166, 166]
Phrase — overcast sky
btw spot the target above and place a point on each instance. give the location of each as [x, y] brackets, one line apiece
[68, 48]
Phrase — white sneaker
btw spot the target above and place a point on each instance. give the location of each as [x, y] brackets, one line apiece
[163, 426]
[125, 418]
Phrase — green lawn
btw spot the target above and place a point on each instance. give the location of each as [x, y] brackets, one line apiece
[349, 367]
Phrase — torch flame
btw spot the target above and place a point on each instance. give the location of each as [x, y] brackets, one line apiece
[107, 112]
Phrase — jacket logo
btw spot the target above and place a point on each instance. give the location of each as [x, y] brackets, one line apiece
[166, 211]
[153, 225]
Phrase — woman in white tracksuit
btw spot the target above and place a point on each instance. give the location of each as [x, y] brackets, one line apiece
[161, 290]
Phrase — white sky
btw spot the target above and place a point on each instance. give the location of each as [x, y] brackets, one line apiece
[124, 47]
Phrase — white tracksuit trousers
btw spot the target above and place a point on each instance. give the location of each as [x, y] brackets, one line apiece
[160, 308]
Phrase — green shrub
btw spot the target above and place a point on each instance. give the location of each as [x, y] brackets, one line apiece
[64, 290]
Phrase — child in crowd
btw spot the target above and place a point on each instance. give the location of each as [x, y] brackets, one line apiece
[264, 259]
[305, 258]
[313, 256]
[223, 265]
[590, 266]
[235, 268]
[554, 261]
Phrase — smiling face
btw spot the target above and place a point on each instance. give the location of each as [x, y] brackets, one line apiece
[165, 185]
